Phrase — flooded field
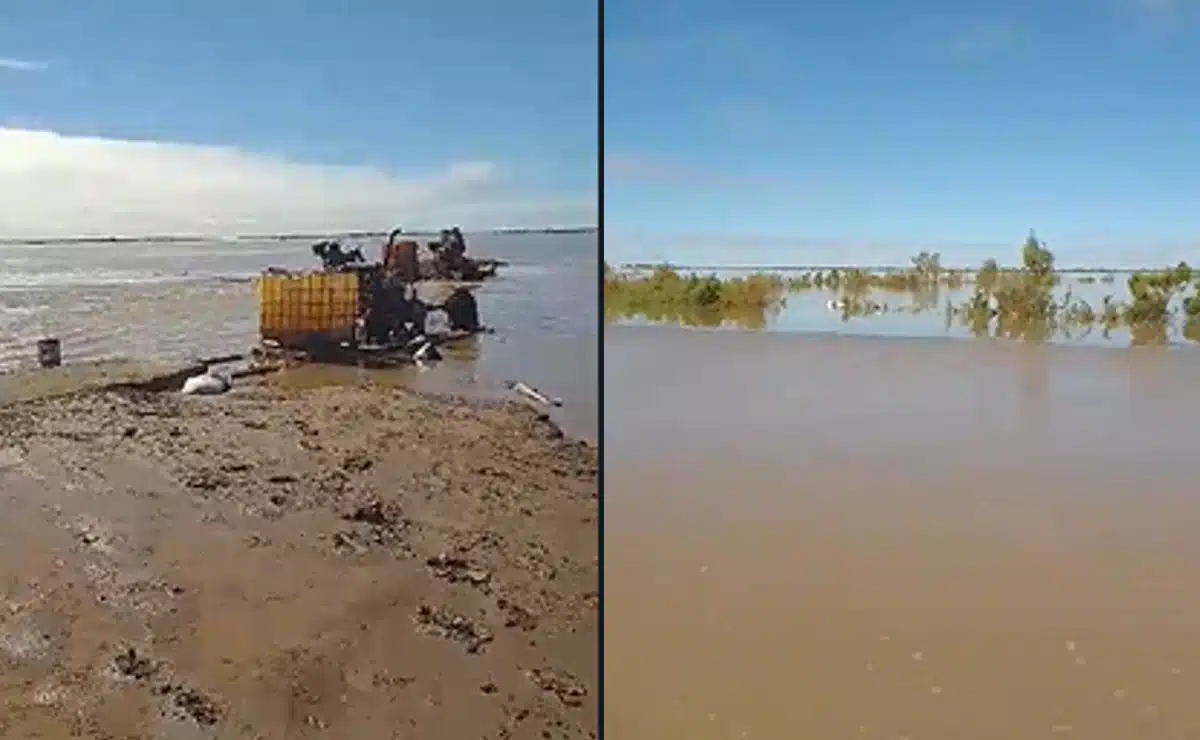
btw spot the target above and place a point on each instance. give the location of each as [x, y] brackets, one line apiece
[841, 537]
[937, 310]
[183, 300]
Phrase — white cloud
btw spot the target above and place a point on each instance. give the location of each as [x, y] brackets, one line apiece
[55, 185]
[22, 65]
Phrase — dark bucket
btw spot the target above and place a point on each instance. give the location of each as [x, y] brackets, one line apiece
[49, 353]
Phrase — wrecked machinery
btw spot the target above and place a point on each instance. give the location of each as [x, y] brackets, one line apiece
[442, 259]
[449, 259]
[355, 311]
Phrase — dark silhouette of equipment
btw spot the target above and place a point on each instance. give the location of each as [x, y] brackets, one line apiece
[333, 257]
[450, 260]
[391, 314]
[400, 258]
[462, 311]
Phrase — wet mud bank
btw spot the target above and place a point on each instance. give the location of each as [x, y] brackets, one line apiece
[331, 562]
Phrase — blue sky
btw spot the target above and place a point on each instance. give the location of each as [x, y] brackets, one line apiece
[867, 130]
[408, 87]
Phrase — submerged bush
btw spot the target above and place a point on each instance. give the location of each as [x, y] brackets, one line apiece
[1007, 302]
[1020, 303]
[706, 300]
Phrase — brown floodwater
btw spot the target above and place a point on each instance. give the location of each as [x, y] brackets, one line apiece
[181, 300]
[865, 538]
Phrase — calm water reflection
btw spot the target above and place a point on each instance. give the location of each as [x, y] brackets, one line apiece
[906, 315]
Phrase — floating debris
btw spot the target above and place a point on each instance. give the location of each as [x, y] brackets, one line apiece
[533, 393]
[211, 383]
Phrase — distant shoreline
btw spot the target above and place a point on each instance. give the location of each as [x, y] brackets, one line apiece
[864, 268]
[184, 238]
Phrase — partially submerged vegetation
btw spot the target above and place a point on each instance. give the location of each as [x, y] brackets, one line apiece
[666, 294]
[1022, 303]
[1027, 302]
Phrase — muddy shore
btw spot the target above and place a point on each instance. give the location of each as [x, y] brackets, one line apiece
[333, 562]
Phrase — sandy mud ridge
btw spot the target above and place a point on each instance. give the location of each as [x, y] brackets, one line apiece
[345, 562]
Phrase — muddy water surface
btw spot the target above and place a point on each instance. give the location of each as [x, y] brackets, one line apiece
[868, 538]
[180, 300]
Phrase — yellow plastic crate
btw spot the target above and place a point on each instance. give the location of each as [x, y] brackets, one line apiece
[297, 310]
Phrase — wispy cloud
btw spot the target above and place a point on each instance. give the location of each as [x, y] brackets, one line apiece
[654, 171]
[982, 40]
[1156, 20]
[1165, 7]
[22, 65]
[56, 185]
[744, 118]
[746, 45]
[641, 169]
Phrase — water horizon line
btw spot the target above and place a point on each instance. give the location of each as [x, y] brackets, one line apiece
[881, 268]
[292, 236]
